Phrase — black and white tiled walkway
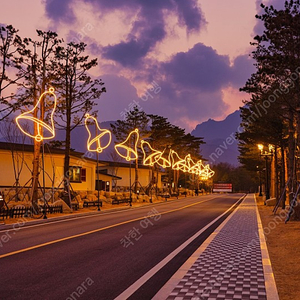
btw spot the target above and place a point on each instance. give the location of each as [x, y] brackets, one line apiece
[231, 265]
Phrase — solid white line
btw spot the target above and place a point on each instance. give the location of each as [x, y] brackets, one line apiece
[135, 286]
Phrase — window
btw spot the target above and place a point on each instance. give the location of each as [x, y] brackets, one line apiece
[83, 175]
[75, 174]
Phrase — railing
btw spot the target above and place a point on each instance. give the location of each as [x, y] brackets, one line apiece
[18, 212]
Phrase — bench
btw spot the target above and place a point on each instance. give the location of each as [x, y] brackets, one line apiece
[92, 203]
[118, 201]
[75, 205]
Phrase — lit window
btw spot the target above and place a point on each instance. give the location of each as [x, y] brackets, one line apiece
[75, 174]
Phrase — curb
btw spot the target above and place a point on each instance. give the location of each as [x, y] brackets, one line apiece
[270, 284]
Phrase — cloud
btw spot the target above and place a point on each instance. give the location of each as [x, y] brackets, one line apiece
[189, 15]
[146, 29]
[149, 29]
[58, 10]
[243, 67]
[200, 67]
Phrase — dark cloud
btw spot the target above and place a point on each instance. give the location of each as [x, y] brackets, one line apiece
[184, 107]
[201, 67]
[243, 67]
[129, 53]
[189, 14]
[146, 31]
[58, 10]
[149, 29]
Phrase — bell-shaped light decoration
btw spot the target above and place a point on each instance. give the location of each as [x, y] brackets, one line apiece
[150, 155]
[44, 131]
[102, 137]
[207, 172]
[164, 162]
[177, 161]
[198, 167]
[125, 149]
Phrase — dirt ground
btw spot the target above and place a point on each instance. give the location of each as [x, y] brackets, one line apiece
[283, 241]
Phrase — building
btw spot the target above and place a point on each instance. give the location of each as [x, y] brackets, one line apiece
[126, 174]
[16, 165]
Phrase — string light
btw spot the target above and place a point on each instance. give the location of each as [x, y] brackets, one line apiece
[131, 153]
[97, 139]
[151, 159]
[164, 162]
[29, 115]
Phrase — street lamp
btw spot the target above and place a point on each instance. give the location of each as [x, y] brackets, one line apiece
[266, 154]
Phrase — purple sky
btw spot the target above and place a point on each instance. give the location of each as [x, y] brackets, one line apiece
[195, 53]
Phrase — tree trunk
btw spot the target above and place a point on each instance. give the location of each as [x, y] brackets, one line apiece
[36, 145]
[283, 176]
[136, 181]
[291, 155]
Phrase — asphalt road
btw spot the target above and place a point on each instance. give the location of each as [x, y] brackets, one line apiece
[91, 258]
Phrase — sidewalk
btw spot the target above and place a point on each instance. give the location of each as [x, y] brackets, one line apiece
[233, 263]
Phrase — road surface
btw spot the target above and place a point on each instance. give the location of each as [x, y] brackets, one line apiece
[128, 254]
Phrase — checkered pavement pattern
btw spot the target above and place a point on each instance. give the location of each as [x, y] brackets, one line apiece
[231, 266]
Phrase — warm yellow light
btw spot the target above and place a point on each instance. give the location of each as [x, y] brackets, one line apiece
[260, 147]
[97, 139]
[149, 159]
[198, 167]
[207, 172]
[177, 161]
[164, 162]
[130, 153]
[29, 115]
[271, 148]
[190, 164]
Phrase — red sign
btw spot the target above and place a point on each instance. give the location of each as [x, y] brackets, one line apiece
[222, 187]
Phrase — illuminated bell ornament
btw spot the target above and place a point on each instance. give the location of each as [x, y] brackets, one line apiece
[153, 155]
[124, 149]
[164, 162]
[101, 134]
[190, 164]
[198, 167]
[177, 162]
[44, 131]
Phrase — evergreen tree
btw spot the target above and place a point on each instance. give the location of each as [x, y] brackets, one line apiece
[77, 90]
[134, 118]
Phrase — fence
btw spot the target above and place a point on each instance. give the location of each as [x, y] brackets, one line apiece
[18, 212]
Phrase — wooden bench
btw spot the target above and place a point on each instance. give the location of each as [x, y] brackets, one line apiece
[118, 201]
[75, 205]
[92, 203]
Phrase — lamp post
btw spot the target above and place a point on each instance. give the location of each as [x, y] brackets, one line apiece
[259, 172]
[266, 154]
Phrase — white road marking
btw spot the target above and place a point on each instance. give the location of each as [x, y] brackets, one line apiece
[135, 286]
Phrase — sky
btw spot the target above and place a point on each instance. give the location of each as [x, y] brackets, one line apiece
[182, 59]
